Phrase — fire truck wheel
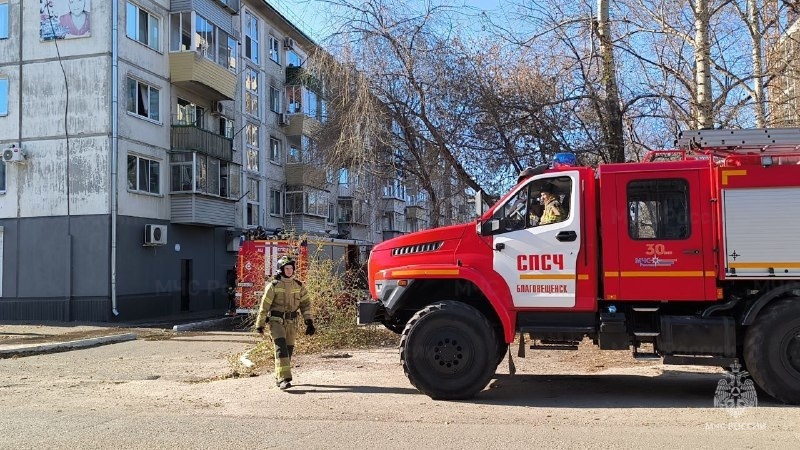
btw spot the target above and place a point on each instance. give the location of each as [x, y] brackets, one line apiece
[447, 350]
[772, 350]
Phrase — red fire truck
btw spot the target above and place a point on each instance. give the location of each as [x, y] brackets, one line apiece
[258, 260]
[689, 256]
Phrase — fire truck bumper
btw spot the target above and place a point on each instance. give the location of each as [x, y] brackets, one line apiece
[369, 311]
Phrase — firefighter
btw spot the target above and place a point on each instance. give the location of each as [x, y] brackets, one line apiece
[230, 291]
[282, 298]
[553, 210]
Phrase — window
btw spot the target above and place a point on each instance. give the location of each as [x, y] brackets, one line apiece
[395, 189]
[301, 153]
[312, 202]
[3, 19]
[205, 37]
[274, 99]
[294, 99]
[180, 37]
[275, 150]
[189, 114]
[541, 202]
[252, 202]
[143, 175]
[251, 92]
[275, 202]
[226, 127]
[251, 37]
[2, 177]
[658, 209]
[232, 54]
[274, 49]
[142, 26]
[143, 99]
[3, 96]
[310, 104]
[251, 137]
[331, 213]
[181, 172]
[293, 59]
[196, 172]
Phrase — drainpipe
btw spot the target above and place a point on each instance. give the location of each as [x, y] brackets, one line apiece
[114, 148]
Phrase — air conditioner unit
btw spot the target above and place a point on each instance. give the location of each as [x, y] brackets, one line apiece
[283, 119]
[13, 154]
[218, 108]
[155, 234]
[288, 43]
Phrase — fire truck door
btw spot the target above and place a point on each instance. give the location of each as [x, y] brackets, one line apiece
[661, 247]
[536, 242]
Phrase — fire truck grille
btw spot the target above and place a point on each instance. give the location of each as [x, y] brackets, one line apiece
[418, 248]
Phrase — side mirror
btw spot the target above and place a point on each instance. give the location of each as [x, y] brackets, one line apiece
[489, 227]
[479, 203]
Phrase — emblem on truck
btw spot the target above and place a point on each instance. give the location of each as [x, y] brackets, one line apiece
[735, 392]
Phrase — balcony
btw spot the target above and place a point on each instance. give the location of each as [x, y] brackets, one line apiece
[192, 138]
[415, 212]
[196, 72]
[305, 174]
[302, 125]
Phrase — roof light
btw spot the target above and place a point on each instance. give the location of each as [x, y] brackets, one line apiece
[565, 159]
[766, 161]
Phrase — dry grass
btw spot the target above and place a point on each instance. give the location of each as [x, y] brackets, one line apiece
[333, 303]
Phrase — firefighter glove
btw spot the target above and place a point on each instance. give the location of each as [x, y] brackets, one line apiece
[310, 330]
[260, 330]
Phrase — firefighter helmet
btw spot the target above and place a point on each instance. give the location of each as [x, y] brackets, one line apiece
[285, 261]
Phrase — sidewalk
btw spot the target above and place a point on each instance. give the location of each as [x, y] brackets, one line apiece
[28, 338]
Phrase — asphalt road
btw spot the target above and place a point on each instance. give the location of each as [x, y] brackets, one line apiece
[173, 393]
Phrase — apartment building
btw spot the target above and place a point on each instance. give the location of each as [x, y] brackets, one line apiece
[142, 137]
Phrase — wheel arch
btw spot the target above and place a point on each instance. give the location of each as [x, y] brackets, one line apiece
[469, 288]
[752, 311]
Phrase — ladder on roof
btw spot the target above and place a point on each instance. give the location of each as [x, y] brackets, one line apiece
[742, 141]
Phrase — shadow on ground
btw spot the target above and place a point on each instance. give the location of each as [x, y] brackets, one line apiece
[672, 389]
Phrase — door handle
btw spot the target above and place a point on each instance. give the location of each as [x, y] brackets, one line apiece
[693, 251]
[499, 246]
[567, 236]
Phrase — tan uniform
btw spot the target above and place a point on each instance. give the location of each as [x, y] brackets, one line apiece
[279, 304]
[553, 212]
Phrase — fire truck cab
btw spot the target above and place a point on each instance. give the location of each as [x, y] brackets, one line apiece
[688, 256]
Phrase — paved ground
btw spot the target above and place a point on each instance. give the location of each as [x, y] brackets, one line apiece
[173, 390]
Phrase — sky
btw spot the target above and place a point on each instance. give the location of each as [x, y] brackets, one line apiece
[308, 16]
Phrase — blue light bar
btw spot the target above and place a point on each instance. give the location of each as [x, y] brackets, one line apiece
[565, 159]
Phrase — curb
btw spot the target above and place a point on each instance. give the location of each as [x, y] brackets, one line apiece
[66, 346]
[205, 324]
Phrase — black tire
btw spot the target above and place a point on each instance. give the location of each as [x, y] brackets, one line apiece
[448, 351]
[772, 350]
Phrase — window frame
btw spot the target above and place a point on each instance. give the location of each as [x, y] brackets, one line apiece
[659, 196]
[5, 12]
[251, 91]
[5, 90]
[252, 154]
[275, 150]
[137, 26]
[253, 203]
[149, 162]
[275, 197]
[251, 40]
[150, 89]
[274, 49]
[3, 178]
[275, 99]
